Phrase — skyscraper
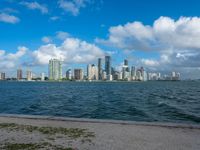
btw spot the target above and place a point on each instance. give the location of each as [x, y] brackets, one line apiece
[69, 74]
[2, 76]
[29, 75]
[78, 74]
[133, 73]
[100, 69]
[92, 72]
[42, 76]
[125, 62]
[125, 71]
[108, 65]
[55, 69]
[19, 74]
[126, 65]
[138, 75]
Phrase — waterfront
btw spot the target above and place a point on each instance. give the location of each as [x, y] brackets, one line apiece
[176, 102]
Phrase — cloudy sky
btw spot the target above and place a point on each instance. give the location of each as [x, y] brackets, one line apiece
[161, 36]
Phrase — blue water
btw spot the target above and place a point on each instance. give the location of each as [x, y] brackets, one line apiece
[177, 102]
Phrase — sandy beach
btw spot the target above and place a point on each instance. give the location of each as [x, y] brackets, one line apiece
[36, 132]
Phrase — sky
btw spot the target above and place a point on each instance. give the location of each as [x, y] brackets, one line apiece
[162, 36]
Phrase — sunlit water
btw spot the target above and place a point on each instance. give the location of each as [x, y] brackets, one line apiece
[138, 101]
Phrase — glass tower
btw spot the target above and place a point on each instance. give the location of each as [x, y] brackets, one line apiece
[108, 65]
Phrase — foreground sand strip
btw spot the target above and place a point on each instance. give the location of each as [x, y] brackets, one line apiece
[44, 132]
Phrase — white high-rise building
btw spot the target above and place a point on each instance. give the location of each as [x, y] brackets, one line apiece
[109, 77]
[133, 73]
[42, 76]
[92, 72]
[138, 75]
[29, 75]
[173, 74]
[145, 78]
[55, 69]
[104, 76]
[120, 75]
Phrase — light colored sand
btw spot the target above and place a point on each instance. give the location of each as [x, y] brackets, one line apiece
[109, 135]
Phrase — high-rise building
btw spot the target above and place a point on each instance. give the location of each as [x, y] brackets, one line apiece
[133, 73]
[125, 62]
[109, 77]
[100, 72]
[19, 74]
[69, 74]
[92, 72]
[42, 76]
[2, 76]
[78, 74]
[125, 67]
[108, 65]
[29, 75]
[159, 75]
[145, 78]
[123, 72]
[178, 75]
[126, 71]
[142, 72]
[173, 74]
[139, 75]
[112, 70]
[120, 75]
[55, 69]
[104, 77]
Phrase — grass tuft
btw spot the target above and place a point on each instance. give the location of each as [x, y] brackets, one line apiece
[70, 132]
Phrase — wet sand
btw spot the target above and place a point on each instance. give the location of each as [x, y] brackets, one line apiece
[97, 135]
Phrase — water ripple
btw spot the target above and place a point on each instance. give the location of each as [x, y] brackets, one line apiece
[148, 101]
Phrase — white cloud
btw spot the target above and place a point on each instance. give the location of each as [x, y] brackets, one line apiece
[72, 6]
[54, 18]
[46, 39]
[176, 41]
[9, 10]
[4, 17]
[35, 5]
[150, 62]
[130, 36]
[62, 35]
[72, 50]
[10, 60]
[165, 33]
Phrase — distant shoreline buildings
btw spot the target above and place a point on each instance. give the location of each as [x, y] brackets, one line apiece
[94, 73]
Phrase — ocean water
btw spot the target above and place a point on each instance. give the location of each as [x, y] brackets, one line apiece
[177, 102]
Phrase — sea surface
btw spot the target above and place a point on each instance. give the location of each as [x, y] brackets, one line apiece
[156, 101]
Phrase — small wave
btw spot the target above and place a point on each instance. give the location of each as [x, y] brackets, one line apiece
[176, 113]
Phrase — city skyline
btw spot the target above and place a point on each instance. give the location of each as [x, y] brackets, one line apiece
[161, 40]
[94, 72]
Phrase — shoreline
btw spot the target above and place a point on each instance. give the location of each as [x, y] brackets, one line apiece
[47, 132]
[104, 121]
[94, 81]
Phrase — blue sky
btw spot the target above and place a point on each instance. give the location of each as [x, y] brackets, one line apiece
[79, 31]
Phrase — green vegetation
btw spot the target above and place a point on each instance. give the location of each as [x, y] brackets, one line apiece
[31, 146]
[15, 146]
[70, 132]
[51, 134]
